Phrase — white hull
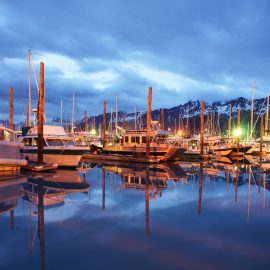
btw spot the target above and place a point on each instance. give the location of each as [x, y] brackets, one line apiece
[61, 160]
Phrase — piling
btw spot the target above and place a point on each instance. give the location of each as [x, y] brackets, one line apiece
[230, 121]
[41, 113]
[162, 118]
[85, 121]
[202, 128]
[238, 127]
[11, 108]
[104, 124]
[252, 109]
[261, 137]
[148, 123]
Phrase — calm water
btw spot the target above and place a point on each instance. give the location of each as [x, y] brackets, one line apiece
[132, 217]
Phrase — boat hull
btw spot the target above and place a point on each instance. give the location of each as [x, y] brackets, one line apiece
[62, 157]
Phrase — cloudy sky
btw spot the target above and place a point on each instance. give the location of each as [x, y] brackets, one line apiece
[100, 49]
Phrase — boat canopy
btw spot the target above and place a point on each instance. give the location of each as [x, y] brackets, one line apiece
[48, 131]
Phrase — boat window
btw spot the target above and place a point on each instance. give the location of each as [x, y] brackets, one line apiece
[126, 139]
[54, 142]
[68, 143]
[133, 139]
[143, 139]
[27, 141]
[35, 142]
[6, 136]
[137, 139]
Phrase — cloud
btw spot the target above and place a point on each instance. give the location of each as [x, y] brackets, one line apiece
[184, 49]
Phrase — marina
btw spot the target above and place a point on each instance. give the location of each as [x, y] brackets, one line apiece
[134, 135]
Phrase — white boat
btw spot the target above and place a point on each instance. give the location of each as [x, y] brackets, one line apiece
[58, 148]
[10, 157]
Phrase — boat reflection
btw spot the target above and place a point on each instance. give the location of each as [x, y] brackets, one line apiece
[10, 192]
[152, 179]
[48, 190]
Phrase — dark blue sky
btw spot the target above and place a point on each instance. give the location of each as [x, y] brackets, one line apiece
[184, 49]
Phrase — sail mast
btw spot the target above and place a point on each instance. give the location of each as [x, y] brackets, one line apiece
[267, 115]
[61, 112]
[116, 115]
[29, 110]
[72, 119]
[252, 106]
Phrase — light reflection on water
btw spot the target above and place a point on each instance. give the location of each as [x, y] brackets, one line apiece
[173, 216]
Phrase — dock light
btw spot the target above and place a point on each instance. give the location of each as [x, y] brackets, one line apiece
[180, 133]
[237, 132]
[93, 132]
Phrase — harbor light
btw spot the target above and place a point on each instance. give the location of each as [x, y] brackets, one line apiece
[93, 132]
[237, 132]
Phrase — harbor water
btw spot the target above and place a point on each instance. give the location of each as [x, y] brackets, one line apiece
[128, 216]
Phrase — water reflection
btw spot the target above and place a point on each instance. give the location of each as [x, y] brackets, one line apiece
[152, 179]
[41, 191]
[194, 209]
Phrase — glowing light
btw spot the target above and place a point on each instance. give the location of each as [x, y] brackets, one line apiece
[93, 132]
[237, 132]
[180, 133]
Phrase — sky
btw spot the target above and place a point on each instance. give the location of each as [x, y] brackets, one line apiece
[100, 49]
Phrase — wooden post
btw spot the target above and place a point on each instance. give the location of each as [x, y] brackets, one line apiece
[11, 108]
[202, 127]
[41, 113]
[162, 118]
[230, 121]
[85, 121]
[267, 116]
[148, 123]
[252, 110]
[125, 122]
[238, 127]
[104, 124]
[261, 137]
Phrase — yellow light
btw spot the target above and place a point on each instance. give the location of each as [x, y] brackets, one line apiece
[237, 132]
[180, 133]
[93, 132]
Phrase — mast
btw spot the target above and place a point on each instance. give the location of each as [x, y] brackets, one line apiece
[72, 117]
[148, 123]
[116, 114]
[61, 112]
[267, 115]
[202, 128]
[104, 124]
[29, 109]
[135, 118]
[230, 121]
[252, 107]
[41, 114]
[11, 108]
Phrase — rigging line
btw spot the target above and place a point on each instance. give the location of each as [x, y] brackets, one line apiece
[35, 76]
[260, 114]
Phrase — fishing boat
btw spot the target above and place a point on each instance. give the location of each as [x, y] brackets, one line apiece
[10, 157]
[58, 148]
[132, 148]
